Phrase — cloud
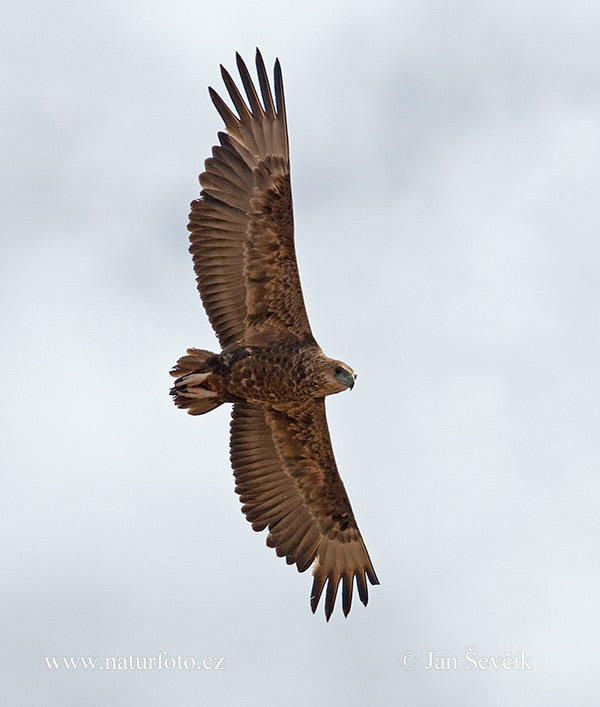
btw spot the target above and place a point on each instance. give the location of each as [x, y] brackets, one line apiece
[445, 182]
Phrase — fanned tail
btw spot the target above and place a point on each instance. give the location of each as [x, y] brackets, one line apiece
[190, 391]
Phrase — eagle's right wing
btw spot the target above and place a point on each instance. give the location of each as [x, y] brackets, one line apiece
[288, 481]
[242, 227]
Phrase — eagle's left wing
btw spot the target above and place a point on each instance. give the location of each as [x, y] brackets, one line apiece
[288, 481]
[242, 227]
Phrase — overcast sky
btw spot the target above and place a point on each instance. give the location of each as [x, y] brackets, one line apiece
[445, 168]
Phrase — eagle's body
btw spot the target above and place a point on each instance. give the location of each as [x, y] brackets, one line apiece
[271, 367]
[275, 374]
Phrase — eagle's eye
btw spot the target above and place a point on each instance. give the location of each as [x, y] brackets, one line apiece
[338, 370]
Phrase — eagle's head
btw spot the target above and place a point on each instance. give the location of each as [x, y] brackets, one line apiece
[340, 376]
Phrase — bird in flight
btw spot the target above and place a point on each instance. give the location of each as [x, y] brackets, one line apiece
[270, 367]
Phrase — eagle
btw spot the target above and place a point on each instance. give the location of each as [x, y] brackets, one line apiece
[270, 366]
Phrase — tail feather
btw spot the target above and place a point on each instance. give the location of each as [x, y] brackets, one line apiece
[196, 361]
[189, 392]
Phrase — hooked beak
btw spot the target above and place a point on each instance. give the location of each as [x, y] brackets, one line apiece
[350, 379]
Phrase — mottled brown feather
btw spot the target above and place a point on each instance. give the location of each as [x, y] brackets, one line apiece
[288, 481]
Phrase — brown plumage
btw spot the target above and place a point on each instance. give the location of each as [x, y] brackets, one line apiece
[271, 368]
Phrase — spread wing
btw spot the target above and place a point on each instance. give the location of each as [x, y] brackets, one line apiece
[288, 481]
[241, 229]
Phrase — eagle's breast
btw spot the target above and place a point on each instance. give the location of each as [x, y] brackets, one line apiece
[276, 374]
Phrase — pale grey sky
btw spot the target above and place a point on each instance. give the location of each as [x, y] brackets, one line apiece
[445, 174]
